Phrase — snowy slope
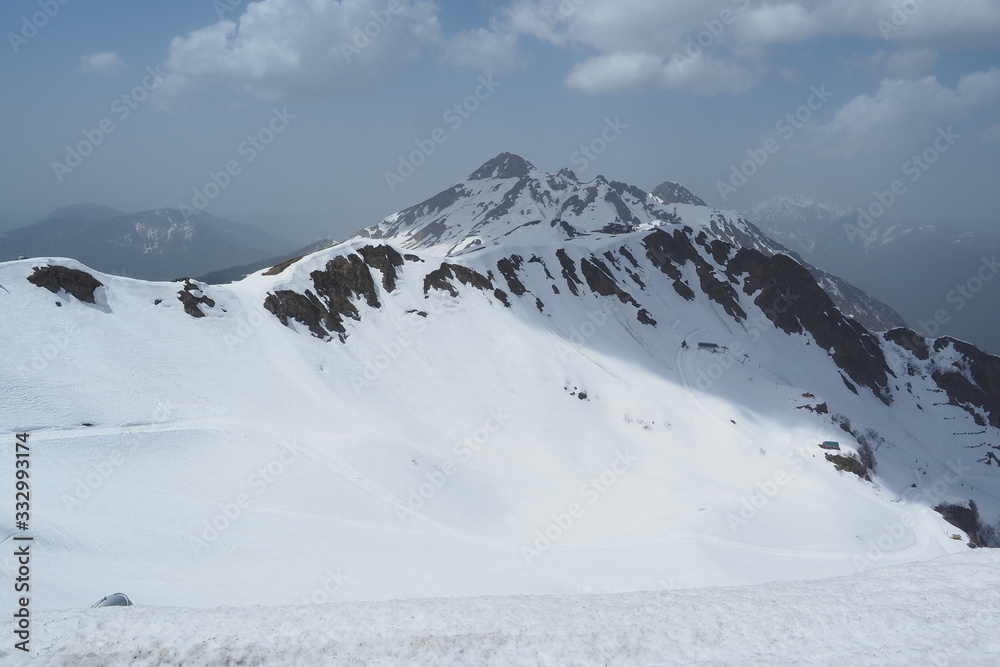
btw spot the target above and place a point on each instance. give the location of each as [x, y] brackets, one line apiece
[942, 612]
[406, 434]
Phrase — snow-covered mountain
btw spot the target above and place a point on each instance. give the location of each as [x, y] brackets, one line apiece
[918, 269]
[527, 384]
[155, 245]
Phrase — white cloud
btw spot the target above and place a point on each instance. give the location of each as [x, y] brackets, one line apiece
[490, 50]
[306, 46]
[729, 39]
[616, 72]
[619, 72]
[992, 134]
[107, 63]
[777, 24]
[901, 112]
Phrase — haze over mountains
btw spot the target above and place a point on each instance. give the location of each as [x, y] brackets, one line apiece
[528, 383]
[159, 244]
[940, 278]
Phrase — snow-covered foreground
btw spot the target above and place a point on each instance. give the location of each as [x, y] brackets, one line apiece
[939, 612]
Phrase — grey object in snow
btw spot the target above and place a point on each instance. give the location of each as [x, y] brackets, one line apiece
[113, 600]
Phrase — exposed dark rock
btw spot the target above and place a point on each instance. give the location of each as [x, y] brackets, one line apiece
[910, 340]
[192, 298]
[501, 297]
[278, 268]
[669, 251]
[628, 255]
[508, 268]
[412, 258]
[439, 279]
[385, 259]
[505, 165]
[600, 280]
[977, 383]
[343, 280]
[850, 464]
[790, 297]
[538, 260]
[569, 271]
[964, 518]
[675, 193]
[645, 318]
[636, 279]
[305, 308]
[720, 251]
[74, 281]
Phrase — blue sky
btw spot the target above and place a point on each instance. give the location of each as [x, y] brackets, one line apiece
[560, 73]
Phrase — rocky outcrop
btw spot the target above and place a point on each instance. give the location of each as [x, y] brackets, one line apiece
[191, 297]
[79, 284]
[569, 271]
[306, 308]
[790, 297]
[385, 259]
[975, 383]
[671, 192]
[508, 268]
[342, 281]
[668, 252]
[441, 279]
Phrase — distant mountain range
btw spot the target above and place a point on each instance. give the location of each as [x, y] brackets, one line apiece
[234, 273]
[942, 279]
[159, 244]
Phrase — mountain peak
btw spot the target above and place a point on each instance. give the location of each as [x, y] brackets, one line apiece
[90, 212]
[671, 192]
[505, 165]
